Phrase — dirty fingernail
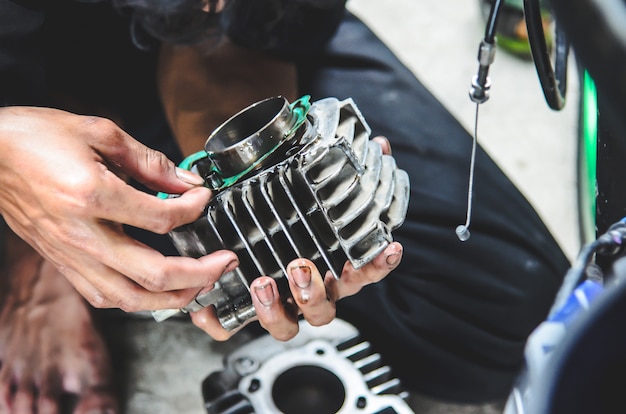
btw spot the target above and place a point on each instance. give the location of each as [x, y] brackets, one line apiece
[189, 177]
[232, 265]
[301, 275]
[384, 143]
[393, 254]
[264, 294]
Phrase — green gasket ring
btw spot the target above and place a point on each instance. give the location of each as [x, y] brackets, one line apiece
[299, 107]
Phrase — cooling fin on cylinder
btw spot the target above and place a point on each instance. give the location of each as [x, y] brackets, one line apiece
[291, 180]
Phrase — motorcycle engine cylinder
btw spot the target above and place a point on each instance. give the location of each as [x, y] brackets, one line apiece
[291, 180]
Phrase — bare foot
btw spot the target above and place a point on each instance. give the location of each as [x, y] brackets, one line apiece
[50, 352]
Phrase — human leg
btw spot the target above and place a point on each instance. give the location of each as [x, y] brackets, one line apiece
[453, 318]
[51, 356]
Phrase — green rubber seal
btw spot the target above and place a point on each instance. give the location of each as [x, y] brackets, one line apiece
[300, 108]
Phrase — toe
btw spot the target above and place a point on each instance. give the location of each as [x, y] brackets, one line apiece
[5, 396]
[97, 401]
[23, 400]
[48, 398]
[47, 405]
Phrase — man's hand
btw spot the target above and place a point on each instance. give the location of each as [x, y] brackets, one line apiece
[215, 85]
[313, 295]
[63, 189]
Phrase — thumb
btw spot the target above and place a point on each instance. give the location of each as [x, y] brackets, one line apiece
[149, 167]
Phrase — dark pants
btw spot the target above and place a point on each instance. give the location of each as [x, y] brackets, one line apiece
[452, 320]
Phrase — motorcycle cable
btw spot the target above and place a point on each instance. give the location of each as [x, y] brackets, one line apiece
[479, 93]
[553, 79]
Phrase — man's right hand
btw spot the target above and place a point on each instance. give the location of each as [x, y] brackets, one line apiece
[63, 189]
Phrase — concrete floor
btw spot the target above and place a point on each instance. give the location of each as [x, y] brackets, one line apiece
[166, 362]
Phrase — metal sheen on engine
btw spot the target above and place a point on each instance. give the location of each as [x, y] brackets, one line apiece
[289, 181]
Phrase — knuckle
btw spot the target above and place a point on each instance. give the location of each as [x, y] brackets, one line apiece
[164, 222]
[106, 134]
[286, 334]
[77, 237]
[221, 336]
[378, 277]
[373, 275]
[181, 299]
[155, 282]
[180, 302]
[157, 161]
[105, 130]
[97, 300]
[320, 320]
[79, 193]
[322, 314]
[157, 277]
[129, 303]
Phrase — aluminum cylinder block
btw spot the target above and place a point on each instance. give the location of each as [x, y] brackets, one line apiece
[290, 180]
[327, 369]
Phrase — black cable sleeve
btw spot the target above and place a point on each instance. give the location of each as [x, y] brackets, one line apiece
[492, 21]
[553, 81]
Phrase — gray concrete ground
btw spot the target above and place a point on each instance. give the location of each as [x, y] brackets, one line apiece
[166, 362]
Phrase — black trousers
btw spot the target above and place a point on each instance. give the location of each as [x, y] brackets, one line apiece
[452, 320]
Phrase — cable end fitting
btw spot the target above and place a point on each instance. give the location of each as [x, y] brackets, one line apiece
[481, 83]
[462, 232]
[479, 91]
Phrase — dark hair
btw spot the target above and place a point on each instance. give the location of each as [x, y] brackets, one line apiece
[290, 26]
[173, 21]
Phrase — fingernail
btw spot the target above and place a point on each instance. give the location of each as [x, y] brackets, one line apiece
[231, 266]
[301, 275]
[189, 177]
[387, 143]
[264, 294]
[393, 254]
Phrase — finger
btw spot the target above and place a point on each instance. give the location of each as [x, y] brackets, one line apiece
[49, 392]
[145, 211]
[104, 287]
[309, 292]
[352, 280]
[47, 405]
[118, 271]
[149, 167]
[87, 290]
[206, 319]
[5, 393]
[158, 273]
[95, 400]
[23, 400]
[278, 318]
[384, 143]
[120, 292]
